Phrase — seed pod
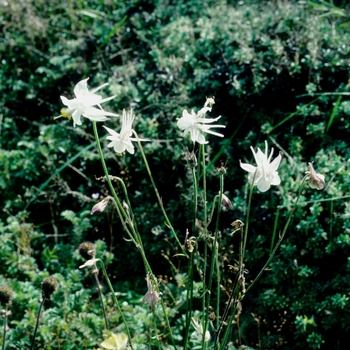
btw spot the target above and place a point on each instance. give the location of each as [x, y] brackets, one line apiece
[87, 250]
[48, 286]
[6, 295]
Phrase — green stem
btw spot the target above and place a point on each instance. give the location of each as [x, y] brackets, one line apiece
[168, 325]
[279, 240]
[206, 291]
[95, 272]
[231, 302]
[115, 300]
[213, 259]
[218, 289]
[155, 329]
[189, 299]
[247, 222]
[195, 199]
[128, 220]
[168, 223]
[189, 294]
[274, 229]
[37, 324]
[108, 177]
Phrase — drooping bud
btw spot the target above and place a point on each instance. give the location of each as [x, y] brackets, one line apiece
[6, 296]
[152, 296]
[87, 250]
[100, 206]
[125, 206]
[48, 287]
[226, 202]
[314, 179]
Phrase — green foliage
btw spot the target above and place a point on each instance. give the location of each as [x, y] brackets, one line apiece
[278, 71]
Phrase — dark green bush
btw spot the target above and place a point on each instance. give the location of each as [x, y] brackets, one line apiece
[278, 70]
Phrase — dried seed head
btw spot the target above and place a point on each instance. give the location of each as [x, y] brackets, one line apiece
[237, 225]
[100, 206]
[87, 250]
[222, 169]
[6, 295]
[48, 286]
[191, 159]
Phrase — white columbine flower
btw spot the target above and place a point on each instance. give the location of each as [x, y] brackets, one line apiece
[122, 141]
[152, 296]
[115, 342]
[84, 102]
[199, 331]
[265, 172]
[196, 123]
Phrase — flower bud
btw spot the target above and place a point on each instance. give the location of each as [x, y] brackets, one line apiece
[87, 250]
[100, 206]
[210, 101]
[226, 202]
[48, 286]
[6, 295]
[125, 207]
[314, 179]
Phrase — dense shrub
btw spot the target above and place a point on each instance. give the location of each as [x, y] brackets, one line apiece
[279, 70]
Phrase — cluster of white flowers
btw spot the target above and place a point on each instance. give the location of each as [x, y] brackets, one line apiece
[195, 123]
[84, 105]
[263, 175]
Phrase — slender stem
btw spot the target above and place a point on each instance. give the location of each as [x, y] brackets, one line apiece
[168, 223]
[213, 259]
[37, 324]
[189, 299]
[206, 291]
[189, 294]
[5, 328]
[155, 329]
[274, 229]
[195, 199]
[247, 222]
[99, 287]
[218, 289]
[127, 219]
[279, 240]
[115, 300]
[229, 324]
[168, 325]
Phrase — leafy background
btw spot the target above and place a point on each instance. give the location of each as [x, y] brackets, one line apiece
[279, 71]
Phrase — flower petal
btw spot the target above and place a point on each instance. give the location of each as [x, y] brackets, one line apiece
[263, 185]
[247, 167]
[275, 163]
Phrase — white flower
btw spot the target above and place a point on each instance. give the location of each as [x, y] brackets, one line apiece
[196, 123]
[82, 104]
[199, 331]
[314, 179]
[152, 296]
[266, 173]
[122, 141]
[115, 341]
